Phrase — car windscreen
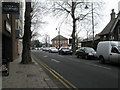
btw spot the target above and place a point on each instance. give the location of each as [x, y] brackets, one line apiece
[89, 50]
[65, 48]
[118, 48]
[52, 48]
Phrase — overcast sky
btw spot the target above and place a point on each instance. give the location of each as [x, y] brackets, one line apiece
[50, 28]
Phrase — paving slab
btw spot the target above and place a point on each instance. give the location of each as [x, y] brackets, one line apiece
[27, 76]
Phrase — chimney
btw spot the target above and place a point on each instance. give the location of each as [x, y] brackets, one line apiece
[112, 14]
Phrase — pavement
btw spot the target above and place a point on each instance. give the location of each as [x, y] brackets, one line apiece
[27, 76]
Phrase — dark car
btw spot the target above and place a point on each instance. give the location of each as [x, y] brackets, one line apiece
[65, 50]
[86, 53]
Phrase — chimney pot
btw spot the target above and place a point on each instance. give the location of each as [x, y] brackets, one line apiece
[112, 14]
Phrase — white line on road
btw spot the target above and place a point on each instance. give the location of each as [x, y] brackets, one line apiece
[98, 66]
[55, 60]
[45, 56]
[60, 56]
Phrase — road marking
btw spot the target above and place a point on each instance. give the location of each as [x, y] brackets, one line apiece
[65, 82]
[60, 56]
[45, 56]
[98, 66]
[55, 60]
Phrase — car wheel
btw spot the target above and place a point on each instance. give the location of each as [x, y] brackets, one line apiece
[77, 56]
[86, 56]
[101, 60]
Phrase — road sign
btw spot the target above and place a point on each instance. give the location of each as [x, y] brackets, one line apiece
[10, 7]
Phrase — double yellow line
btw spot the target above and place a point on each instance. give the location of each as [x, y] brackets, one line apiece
[65, 82]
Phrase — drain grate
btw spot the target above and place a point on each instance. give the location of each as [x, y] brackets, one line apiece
[19, 72]
[32, 75]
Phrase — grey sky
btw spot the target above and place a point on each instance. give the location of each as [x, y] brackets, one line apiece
[50, 28]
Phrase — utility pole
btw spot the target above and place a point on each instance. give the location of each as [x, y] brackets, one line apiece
[59, 39]
[92, 20]
[92, 23]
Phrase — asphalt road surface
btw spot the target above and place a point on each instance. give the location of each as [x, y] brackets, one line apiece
[80, 72]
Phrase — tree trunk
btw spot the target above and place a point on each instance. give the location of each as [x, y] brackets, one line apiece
[26, 53]
[74, 28]
[73, 37]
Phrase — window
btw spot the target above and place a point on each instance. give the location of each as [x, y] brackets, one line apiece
[114, 50]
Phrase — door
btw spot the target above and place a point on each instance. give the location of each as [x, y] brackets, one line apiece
[114, 55]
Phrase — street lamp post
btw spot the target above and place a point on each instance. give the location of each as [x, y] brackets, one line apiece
[92, 20]
[59, 39]
[92, 24]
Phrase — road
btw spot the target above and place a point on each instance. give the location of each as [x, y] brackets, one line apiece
[80, 72]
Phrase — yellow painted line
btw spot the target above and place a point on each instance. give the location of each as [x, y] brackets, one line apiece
[56, 76]
[65, 79]
[53, 72]
[61, 76]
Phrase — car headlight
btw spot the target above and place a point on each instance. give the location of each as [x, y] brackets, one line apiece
[90, 54]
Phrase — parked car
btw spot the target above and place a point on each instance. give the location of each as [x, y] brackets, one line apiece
[65, 50]
[46, 49]
[86, 53]
[108, 51]
[53, 50]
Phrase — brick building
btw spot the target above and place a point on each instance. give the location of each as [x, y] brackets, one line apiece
[63, 41]
[12, 25]
[0, 31]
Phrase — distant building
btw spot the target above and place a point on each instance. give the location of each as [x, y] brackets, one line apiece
[63, 41]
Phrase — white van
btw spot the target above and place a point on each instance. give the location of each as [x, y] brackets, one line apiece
[108, 51]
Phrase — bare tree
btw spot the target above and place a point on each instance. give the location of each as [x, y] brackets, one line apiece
[39, 10]
[46, 40]
[26, 53]
[33, 17]
[73, 9]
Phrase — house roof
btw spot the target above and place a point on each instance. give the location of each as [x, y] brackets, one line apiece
[117, 20]
[91, 38]
[108, 28]
[61, 38]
